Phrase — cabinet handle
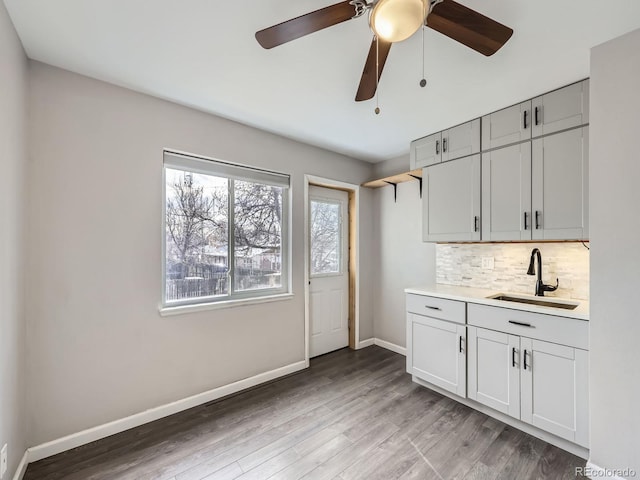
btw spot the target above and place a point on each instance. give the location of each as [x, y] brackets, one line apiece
[437, 147]
[520, 323]
[536, 115]
[525, 360]
[526, 227]
[513, 357]
[526, 112]
[476, 221]
[460, 343]
[444, 144]
[432, 308]
[537, 220]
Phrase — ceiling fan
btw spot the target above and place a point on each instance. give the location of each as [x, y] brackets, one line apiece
[394, 21]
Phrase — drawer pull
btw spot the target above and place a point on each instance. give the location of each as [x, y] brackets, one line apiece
[432, 308]
[461, 344]
[525, 361]
[521, 323]
[513, 357]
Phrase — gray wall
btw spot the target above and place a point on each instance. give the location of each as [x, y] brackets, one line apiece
[615, 257]
[99, 349]
[404, 260]
[13, 161]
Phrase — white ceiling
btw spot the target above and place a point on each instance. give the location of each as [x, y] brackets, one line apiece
[203, 53]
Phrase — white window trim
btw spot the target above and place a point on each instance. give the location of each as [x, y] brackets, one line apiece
[198, 164]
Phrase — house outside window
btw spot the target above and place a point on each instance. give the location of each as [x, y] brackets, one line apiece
[225, 231]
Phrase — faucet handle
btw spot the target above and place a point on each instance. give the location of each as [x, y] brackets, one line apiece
[551, 288]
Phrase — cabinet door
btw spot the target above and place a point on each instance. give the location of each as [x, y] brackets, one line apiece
[510, 125]
[560, 201]
[494, 370]
[451, 201]
[437, 352]
[461, 141]
[561, 109]
[426, 151]
[555, 392]
[506, 193]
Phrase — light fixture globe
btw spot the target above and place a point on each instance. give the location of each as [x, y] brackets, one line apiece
[397, 20]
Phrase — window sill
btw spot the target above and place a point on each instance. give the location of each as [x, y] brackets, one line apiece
[201, 307]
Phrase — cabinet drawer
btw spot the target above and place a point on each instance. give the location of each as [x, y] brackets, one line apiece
[435, 307]
[562, 330]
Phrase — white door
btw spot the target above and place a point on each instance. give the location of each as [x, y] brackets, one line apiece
[438, 352]
[555, 390]
[461, 141]
[494, 370]
[426, 151]
[561, 109]
[510, 125]
[328, 269]
[506, 193]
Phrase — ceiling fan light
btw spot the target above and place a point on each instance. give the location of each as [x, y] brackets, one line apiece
[397, 20]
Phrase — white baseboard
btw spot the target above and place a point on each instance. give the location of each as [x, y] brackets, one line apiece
[366, 343]
[391, 346]
[22, 466]
[96, 433]
[599, 472]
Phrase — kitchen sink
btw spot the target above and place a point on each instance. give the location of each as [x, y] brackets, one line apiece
[547, 302]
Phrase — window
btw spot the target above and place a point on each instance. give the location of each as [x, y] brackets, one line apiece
[326, 237]
[225, 231]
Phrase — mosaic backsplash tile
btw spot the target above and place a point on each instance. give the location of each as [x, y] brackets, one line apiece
[461, 264]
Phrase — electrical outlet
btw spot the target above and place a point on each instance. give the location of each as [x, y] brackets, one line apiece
[487, 263]
[3, 460]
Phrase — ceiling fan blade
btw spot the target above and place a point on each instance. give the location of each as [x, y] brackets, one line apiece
[468, 27]
[368, 82]
[304, 25]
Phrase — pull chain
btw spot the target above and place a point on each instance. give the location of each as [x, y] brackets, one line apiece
[423, 82]
[377, 110]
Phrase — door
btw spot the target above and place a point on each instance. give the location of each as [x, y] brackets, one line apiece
[438, 352]
[506, 193]
[561, 109]
[507, 126]
[451, 201]
[560, 169]
[461, 141]
[555, 391]
[426, 151]
[328, 269]
[494, 370]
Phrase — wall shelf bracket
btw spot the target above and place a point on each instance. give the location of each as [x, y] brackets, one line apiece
[395, 190]
[419, 180]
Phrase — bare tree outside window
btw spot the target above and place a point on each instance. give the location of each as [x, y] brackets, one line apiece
[325, 237]
[197, 236]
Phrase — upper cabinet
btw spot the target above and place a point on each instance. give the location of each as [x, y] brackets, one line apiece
[561, 109]
[506, 193]
[506, 126]
[426, 151]
[461, 141]
[451, 201]
[560, 197]
[453, 143]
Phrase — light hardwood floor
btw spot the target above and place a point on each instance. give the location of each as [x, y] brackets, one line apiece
[351, 415]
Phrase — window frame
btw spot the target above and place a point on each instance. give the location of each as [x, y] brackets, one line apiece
[198, 164]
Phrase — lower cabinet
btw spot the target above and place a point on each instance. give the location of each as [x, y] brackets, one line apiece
[436, 352]
[541, 383]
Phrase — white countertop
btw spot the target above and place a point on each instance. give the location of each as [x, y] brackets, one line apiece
[479, 295]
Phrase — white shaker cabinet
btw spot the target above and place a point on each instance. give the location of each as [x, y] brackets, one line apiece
[461, 141]
[507, 126]
[494, 370]
[554, 389]
[426, 151]
[565, 108]
[560, 198]
[506, 193]
[451, 201]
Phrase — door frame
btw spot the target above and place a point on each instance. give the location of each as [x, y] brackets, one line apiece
[353, 262]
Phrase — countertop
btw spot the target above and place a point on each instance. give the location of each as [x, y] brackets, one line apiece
[479, 296]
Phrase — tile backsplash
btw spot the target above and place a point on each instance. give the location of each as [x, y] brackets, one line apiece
[461, 264]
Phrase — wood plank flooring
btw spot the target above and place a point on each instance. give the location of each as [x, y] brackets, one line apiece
[351, 415]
